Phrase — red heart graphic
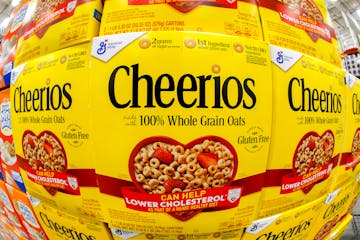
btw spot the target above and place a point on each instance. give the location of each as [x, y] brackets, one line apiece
[162, 165]
[312, 152]
[44, 152]
[307, 9]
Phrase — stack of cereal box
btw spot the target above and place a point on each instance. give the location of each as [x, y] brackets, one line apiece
[51, 132]
[141, 119]
[310, 106]
[190, 125]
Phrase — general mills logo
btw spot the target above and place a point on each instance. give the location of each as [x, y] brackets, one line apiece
[102, 47]
[254, 227]
[280, 57]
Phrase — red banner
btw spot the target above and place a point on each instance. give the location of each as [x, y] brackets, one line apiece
[57, 14]
[112, 186]
[227, 197]
[352, 162]
[292, 183]
[220, 3]
[307, 24]
[53, 179]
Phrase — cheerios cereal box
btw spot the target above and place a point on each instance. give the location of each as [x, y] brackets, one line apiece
[9, 163]
[337, 232]
[296, 223]
[307, 130]
[182, 132]
[25, 212]
[59, 224]
[303, 26]
[335, 209]
[19, 17]
[118, 234]
[349, 164]
[51, 129]
[238, 17]
[56, 25]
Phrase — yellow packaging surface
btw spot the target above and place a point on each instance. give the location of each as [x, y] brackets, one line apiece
[335, 208]
[240, 18]
[349, 166]
[58, 224]
[51, 130]
[296, 223]
[307, 132]
[58, 25]
[303, 26]
[182, 132]
[228, 235]
[340, 228]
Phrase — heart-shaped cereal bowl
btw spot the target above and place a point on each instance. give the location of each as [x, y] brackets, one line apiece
[162, 165]
[44, 152]
[313, 151]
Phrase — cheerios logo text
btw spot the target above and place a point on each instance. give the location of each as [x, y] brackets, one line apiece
[312, 100]
[355, 104]
[188, 90]
[42, 99]
[288, 233]
[336, 206]
[69, 233]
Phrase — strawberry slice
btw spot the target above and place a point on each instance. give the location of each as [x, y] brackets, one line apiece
[38, 164]
[31, 142]
[312, 164]
[48, 148]
[163, 155]
[171, 183]
[311, 143]
[326, 145]
[207, 159]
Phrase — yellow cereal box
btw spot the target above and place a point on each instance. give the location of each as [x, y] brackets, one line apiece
[238, 17]
[19, 17]
[25, 212]
[58, 224]
[50, 116]
[303, 26]
[350, 158]
[118, 234]
[56, 25]
[9, 164]
[335, 209]
[340, 228]
[181, 129]
[307, 130]
[296, 223]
